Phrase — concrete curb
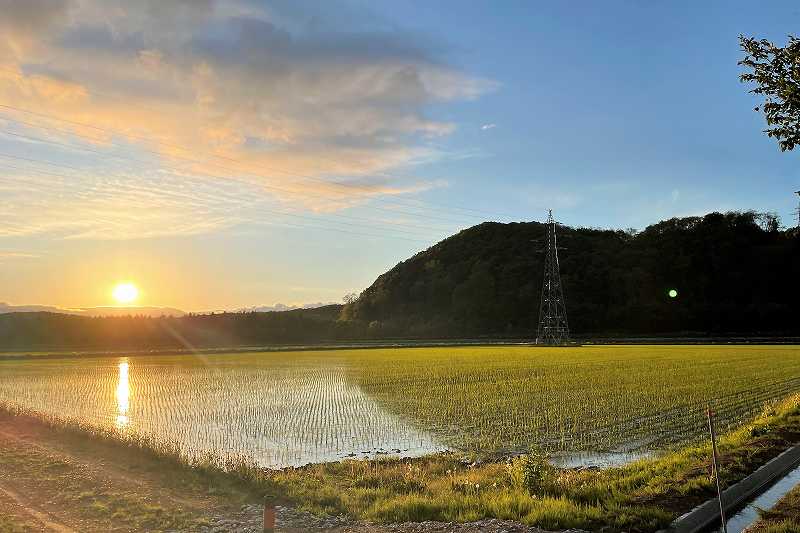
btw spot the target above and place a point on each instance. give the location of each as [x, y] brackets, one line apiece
[707, 514]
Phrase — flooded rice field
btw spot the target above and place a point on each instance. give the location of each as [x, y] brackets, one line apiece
[588, 406]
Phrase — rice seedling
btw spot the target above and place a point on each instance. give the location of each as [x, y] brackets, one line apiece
[291, 408]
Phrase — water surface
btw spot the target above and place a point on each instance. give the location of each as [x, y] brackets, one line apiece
[281, 413]
[590, 406]
[749, 513]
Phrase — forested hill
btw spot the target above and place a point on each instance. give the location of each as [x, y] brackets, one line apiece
[731, 275]
[52, 331]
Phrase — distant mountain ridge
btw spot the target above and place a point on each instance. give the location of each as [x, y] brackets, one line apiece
[150, 311]
[279, 307]
[93, 311]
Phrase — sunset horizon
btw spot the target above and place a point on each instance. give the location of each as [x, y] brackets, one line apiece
[270, 153]
[381, 266]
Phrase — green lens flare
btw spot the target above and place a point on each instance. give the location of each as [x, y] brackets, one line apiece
[673, 293]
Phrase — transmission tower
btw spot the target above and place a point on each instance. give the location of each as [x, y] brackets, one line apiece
[553, 327]
[798, 210]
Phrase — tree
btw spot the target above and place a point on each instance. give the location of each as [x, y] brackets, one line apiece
[776, 73]
[770, 222]
[349, 298]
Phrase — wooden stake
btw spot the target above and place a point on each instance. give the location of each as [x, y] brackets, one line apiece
[269, 517]
[715, 466]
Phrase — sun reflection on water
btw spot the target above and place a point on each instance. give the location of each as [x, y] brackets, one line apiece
[123, 395]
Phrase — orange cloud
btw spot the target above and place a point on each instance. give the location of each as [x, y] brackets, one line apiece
[226, 90]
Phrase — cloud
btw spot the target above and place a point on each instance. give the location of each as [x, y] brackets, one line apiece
[263, 93]
[12, 254]
[114, 205]
[488, 126]
[23, 23]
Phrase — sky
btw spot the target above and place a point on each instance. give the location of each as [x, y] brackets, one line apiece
[229, 154]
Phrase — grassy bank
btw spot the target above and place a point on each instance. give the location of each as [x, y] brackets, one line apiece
[12, 525]
[642, 496]
[783, 518]
[60, 478]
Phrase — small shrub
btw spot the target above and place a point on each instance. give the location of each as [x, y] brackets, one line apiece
[538, 472]
[532, 472]
[514, 473]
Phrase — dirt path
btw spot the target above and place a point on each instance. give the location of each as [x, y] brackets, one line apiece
[53, 482]
[63, 482]
[96, 466]
[58, 482]
[20, 511]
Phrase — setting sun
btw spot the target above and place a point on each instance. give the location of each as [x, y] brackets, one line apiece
[125, 293]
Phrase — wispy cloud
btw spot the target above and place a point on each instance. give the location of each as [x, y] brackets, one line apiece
[118, 206]
[290, 100]
[14, 254]
[490, 126]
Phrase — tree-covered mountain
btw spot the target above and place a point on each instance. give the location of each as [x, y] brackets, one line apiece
[735, 273]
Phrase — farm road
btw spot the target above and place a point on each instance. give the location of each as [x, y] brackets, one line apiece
[49, 482]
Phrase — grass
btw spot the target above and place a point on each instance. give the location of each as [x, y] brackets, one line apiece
[784, 517]
[642, 496]
[74, 487]
[204, 473]
[11, 525]
[783, 526]
[589, 398]
[488, 402]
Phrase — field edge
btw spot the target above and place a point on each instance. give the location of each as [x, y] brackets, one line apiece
[645, 495]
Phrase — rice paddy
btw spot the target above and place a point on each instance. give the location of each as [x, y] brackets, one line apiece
[292, 408]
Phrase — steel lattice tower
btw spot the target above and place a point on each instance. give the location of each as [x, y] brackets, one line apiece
[798, 210]
[553, 326]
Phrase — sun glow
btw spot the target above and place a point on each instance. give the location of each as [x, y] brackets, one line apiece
[125, 293]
